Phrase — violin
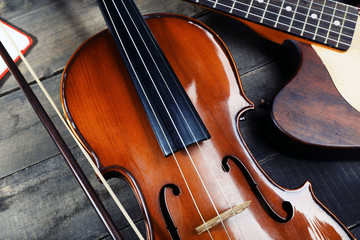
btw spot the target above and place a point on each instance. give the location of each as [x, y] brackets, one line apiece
[321, 38]
[157, 101]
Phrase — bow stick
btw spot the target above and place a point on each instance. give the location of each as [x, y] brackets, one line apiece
[61, 145]
[97, 171]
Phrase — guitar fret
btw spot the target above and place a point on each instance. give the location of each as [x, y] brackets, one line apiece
[232, 7]
[318, 24]
[331, 21]
[312, 27]
[278, 17]
[349, 24]
[248, 11]
[293, 17]
[342, 26]
[301, 26]
[257, 10]
[286, 13]
[241, 8]
[272, 12]
[306, 19]
[325, 22]
[266, 7]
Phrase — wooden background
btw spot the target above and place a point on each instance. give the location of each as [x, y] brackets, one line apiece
[39, 198]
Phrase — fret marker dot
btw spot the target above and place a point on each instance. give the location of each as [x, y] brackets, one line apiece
[313, 16]
[260, 1]
[336, 22]
[288, 8]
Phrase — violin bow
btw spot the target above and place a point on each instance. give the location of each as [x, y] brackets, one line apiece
[61, 145]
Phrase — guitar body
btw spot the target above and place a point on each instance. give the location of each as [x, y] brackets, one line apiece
[310, 107]
[320, 105]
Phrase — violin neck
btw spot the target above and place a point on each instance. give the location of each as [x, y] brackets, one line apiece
[172, 116]
[325, 22]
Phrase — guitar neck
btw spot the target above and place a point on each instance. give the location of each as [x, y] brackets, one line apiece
[325, 22]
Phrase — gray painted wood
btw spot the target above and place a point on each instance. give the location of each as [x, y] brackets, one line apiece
[39, 199]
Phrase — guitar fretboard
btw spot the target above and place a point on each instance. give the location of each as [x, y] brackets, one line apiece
[325, 22]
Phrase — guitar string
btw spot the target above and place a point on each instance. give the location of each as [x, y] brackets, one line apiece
[232, 7]
[313, 10]
[356, 46]
[326, 6]
[284, 16]
[86, 154]
[346, 44]
[177, 105]
[293, 27]
[322, 12]
[172, 152]
[318, 24]
[331, 8]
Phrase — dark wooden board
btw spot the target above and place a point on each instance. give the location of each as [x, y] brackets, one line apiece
[38, 196]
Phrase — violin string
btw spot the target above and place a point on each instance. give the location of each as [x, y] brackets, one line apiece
[177, 105]
[166, 108]
[196, 142]
[179, 109]
[87, 156]
[292, 27]
[187, 124]
[153, 111]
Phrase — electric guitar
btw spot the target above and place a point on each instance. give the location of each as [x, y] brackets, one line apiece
[320, 105]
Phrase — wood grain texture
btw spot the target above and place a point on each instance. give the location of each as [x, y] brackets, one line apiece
[60, 202]
[310, 109]
[103, 107]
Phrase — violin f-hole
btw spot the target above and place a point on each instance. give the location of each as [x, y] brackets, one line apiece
[165, 212]
[287, 206]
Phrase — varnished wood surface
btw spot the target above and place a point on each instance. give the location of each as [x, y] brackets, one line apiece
[118, 134]
[310, 108]
[38, 197]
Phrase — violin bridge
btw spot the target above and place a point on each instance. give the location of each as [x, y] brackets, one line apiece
[222, 217]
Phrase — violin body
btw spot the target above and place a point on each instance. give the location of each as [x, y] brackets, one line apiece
[106, 114]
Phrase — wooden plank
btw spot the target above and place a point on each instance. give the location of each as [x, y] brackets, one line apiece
[23, 139]
[35, 176]
[45, 202]
[356, 230]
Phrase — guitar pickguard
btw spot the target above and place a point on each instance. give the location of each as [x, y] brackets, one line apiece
[344, 69]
